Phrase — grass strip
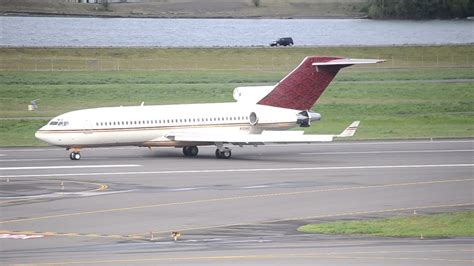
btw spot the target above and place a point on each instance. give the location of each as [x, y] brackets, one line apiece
[453, 224]
[402, 98]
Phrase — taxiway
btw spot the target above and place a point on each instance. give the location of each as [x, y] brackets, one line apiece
[120, 205]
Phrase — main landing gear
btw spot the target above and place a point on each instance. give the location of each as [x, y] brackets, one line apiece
[223, 154]
[75, 155]
[190, 151]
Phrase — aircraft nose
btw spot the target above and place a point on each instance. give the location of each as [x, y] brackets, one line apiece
[41, 136]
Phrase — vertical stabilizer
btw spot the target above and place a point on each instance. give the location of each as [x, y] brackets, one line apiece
[304, 85]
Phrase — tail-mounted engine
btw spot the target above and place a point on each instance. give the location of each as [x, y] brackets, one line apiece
[304, 119]
[253, 119]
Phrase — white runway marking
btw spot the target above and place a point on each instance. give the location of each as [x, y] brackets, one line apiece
[340, 143]
[30, 150]
[258, 186]
[367, 167]
[29, 160]
[23, 237]
[381, 152]
[183, 189]
[69, 167]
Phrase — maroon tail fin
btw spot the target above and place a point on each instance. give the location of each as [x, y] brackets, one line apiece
[302, 87]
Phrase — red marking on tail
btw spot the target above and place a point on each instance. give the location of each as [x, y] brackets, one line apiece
[302, 87]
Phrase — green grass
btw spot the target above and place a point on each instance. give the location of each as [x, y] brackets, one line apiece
[391, 99]
[439, 225]
[20, 132]
[257, 59]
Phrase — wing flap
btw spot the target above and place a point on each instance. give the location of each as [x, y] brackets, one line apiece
[251, 139]
[266, 137]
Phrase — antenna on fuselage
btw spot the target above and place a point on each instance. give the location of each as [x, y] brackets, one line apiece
[142, 104]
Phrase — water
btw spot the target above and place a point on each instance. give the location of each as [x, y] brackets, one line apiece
[131, 32]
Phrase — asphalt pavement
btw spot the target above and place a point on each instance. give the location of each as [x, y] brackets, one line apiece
[119, 206]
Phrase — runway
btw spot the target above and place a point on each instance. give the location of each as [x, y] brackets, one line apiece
[120, 205]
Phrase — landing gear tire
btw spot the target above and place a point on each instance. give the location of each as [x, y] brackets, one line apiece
[75, 156]
[190, 151]
[225, 154]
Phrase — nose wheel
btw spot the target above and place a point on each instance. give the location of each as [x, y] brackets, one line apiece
[223, 154]
[75, 156]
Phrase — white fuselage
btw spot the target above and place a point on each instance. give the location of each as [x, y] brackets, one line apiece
[149, 125]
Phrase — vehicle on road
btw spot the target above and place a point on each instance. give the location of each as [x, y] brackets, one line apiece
[260, 115]
[286, 41]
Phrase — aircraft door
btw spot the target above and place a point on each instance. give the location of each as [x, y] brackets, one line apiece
[87, 127]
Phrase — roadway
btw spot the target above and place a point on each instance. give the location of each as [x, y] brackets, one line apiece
[120, 205]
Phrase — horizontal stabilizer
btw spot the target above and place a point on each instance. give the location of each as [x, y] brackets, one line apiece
[348, 61]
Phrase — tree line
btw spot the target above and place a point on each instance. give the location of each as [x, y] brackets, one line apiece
[420, 9]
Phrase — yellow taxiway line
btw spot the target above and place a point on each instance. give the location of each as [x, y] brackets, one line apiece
[233, 198]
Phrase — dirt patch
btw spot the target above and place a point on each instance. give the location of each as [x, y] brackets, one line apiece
[191, 8]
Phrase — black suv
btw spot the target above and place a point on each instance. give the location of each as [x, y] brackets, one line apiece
[287, 41]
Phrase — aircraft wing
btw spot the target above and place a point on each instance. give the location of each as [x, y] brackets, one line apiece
[266, 137]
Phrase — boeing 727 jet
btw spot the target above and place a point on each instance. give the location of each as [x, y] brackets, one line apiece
[260, 115]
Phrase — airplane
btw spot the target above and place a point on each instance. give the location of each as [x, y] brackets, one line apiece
[260, 115]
